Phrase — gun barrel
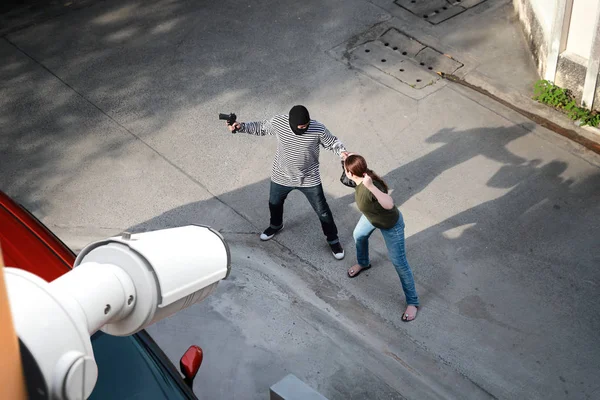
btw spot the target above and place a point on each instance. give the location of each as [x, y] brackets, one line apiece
[223, 116]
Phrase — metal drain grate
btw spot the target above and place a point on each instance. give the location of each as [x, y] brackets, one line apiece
[406, 46]
[436, 11]
[433, 60]
[406, 59]
[393, 63]
[396, 60]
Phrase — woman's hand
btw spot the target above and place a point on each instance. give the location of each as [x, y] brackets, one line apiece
[384, 199]
[367, 181]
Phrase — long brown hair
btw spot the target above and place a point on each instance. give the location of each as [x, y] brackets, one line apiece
[357, 165]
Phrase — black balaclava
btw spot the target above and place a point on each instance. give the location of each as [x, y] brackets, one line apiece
[299, 116]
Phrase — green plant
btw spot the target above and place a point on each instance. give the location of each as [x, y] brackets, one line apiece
[591, 119]
[548, 93]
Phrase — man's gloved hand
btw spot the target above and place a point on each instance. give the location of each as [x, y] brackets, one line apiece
[235, 126]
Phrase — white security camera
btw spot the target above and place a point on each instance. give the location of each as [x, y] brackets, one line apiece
[120, 286]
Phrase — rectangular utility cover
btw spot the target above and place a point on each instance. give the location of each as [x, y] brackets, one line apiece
[397, 60]
[436, 11]
[405, 45]
[393, 63]
[437, 61]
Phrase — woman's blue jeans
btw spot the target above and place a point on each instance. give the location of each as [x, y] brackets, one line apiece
[394, 240]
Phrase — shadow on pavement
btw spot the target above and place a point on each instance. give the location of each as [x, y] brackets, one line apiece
[116, 72]
[498, 275]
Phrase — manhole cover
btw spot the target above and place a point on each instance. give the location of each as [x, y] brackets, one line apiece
[393, 63]
[406, 59]
[434, 60]
[406, 46]
[436, 11]
[396, 60]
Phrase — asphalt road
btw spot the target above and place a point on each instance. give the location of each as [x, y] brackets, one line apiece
[108, 122]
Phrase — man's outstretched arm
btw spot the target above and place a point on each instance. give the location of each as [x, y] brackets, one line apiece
[259, 128]
[333, 144]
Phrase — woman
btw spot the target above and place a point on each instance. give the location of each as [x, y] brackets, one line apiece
[378, 210]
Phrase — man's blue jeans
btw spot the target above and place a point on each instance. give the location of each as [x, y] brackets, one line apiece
[394, 240]
[317, 200]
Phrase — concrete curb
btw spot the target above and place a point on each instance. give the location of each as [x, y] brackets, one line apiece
[543, 115]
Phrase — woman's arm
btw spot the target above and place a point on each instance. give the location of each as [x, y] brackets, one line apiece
[384, 199]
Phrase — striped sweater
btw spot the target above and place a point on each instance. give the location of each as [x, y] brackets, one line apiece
[296, 162]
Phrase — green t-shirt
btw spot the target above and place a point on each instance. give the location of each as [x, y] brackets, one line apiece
[367, 203]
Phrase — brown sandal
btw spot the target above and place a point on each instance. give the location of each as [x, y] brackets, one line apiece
[405, 315]
[359, 271]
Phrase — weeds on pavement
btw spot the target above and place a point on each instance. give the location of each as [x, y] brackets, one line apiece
[548, 93]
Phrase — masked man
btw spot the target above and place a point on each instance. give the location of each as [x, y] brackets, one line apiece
[296, 166]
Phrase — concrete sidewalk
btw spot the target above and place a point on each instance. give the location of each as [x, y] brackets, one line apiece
[489, 34]
[108, 122]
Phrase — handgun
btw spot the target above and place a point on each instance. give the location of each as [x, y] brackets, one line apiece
[230, 118]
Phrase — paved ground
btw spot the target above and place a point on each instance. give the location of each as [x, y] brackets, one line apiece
[108, 122]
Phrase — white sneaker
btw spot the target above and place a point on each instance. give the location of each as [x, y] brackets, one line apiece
[269, 233]
[337, 250]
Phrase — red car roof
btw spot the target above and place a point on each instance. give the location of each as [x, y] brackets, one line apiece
[27, 244]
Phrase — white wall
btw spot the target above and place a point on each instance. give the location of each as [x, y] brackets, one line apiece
[574, 39]
[581, 28]
[544, 10]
